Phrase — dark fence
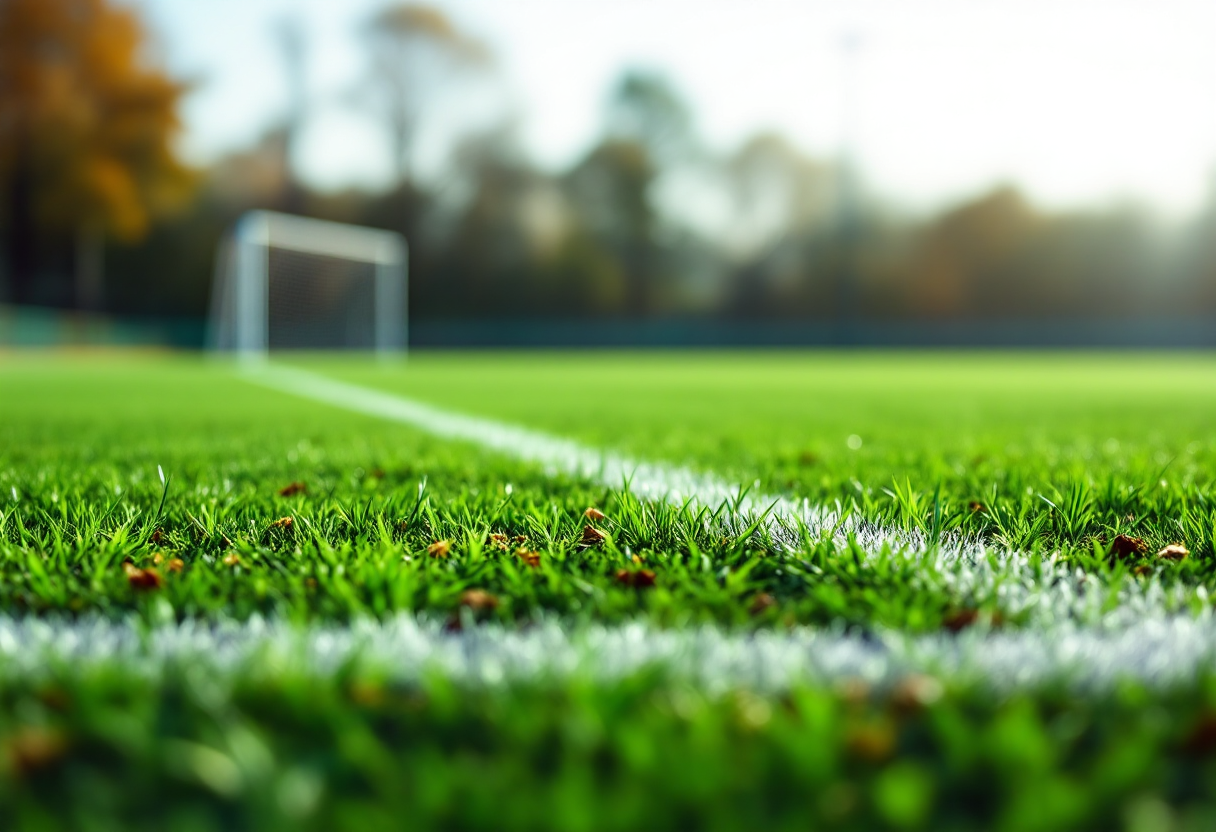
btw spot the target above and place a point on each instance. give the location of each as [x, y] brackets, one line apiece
[41, 327]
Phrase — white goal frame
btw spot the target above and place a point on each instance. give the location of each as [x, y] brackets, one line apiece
[240, 308]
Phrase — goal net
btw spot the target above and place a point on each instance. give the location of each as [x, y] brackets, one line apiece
[284, 282]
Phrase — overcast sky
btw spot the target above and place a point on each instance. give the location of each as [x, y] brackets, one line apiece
[1078, 102]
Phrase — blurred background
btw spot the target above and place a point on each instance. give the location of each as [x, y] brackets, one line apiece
[623, 172]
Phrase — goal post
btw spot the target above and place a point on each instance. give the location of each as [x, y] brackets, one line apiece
[290, 282]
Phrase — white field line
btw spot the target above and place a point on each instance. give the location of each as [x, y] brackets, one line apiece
[1160, 652]
[1046, 592]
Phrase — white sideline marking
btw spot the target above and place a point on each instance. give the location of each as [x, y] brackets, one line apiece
[1159, 652]
[1043, 592]
[653, 481]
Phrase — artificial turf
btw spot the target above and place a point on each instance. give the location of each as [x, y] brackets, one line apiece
[1053, 455]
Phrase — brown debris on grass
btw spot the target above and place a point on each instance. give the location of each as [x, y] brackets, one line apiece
[1126, 546]
[499, 541]
[292, 489]
[31, 749]
[175, 564]
[761, 602]
[592, 536]
[284, 523]
[1200, 741]
[478, 600]
[853, 690]
[871, 741]
[439, 549]
[232, 559]
[594, 514]
[142, 579]
[1174, 551]
[914, 692]
[528, 556]
[637, 578]
[959, 620]
[976, 507]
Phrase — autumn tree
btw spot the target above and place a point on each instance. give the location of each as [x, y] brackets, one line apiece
[86, 133]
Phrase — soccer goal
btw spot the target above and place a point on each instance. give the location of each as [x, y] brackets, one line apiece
[284, 282]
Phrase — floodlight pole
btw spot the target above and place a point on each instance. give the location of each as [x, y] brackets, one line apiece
[848, 212]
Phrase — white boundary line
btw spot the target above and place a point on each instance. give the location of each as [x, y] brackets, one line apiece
[1045, 591]
[1158, 651]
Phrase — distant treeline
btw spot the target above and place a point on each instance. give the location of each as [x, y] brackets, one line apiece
[508, 241]
[649, 224]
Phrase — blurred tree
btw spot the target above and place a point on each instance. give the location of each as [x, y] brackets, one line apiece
[646, 109]
[648, 131]
[415, 51]
[86, 133]
[983, 241]
[610, 194]
[293, 49]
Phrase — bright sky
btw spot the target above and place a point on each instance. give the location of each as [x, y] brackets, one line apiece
[1077, 101]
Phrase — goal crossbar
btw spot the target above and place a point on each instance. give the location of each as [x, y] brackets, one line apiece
[241, 308]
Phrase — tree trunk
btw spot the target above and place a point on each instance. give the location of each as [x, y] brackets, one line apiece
[90, 264]
[20, 245]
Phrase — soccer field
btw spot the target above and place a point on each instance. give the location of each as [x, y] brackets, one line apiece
[609, 591]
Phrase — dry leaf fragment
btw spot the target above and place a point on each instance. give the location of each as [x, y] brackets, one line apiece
[31, 749]
[232, 559]
[499, 541]
[915, 691]
[158, 558]
[283, 523]
[639, 579]
[1175, 551]
[592, 536]
[292, 489]
[157, 536]
[853, 689]
[761, 602]
[1125, 546]
[175, 565]
[976, 507]
[439, 549]
[872, 742]
[478, 599]
[1201, 739]
[960, 619]
[520, 539]
[1142, 570]
[142, 578]
[594, 514]
[367, 693]
[528, 556]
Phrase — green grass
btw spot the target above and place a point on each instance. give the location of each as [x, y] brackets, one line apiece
[1043, 453]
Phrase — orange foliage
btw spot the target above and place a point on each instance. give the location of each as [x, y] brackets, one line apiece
[84, 117]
